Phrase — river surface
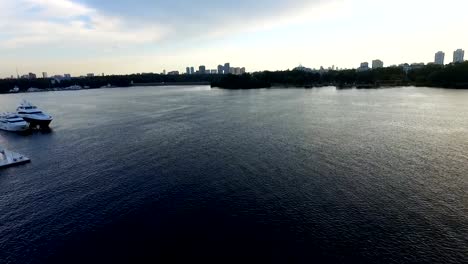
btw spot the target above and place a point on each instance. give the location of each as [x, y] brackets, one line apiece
[280, 175]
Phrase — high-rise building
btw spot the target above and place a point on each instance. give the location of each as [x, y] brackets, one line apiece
[192, 70]
[90, 75]
[227, 68]
[220, 69]
[458, 55]
[44, 75]
[202, 69]
[376, 64]
[364, 67]
[439, 58]
[187, 70]
[32, 75]
[242, 70]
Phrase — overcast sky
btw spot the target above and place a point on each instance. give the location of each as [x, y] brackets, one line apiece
[123, 36]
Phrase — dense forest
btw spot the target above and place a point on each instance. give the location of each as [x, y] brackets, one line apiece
[449, 76]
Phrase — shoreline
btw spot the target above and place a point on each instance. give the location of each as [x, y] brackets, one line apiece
[305, 87]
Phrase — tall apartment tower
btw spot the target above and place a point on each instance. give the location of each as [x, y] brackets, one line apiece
[458, 55]
[377, 64]
[227, 68]
[439, 58]
[220, 69]
[202, 69]
[364, 67]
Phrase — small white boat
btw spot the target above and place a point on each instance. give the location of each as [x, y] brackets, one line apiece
[15, 90]
[12, 122]
[31, 114]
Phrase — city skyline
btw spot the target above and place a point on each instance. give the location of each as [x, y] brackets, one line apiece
[439, 59]
[148, 36]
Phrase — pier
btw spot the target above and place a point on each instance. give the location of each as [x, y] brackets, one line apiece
[10, 158]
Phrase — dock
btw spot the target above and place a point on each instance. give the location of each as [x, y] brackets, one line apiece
[10, 158]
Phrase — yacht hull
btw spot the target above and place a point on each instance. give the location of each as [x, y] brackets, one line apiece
[37, 123]
[16, 129]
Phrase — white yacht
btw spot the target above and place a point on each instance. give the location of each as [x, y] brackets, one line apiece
[12, 122]
[15, 90]
[34, 116]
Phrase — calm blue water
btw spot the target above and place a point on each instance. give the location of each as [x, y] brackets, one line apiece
[190, 173]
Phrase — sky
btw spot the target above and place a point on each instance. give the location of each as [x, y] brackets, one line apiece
[132, 36]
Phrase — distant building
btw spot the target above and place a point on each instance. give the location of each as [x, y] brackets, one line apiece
[376, 64]
[458, 56]
[164, 72]
[415, 66]
[214, 71]
[232, 70]
[364, 67]
[220, 69]
[439, 58]
[301, 68]
[405, 66]
[67, 76]
[242, 70]
[202, 69]
[227, 68]
[44, 75]
[173, 73]
[192, 70]
[90, 75]
[32, 76]
[187, 70]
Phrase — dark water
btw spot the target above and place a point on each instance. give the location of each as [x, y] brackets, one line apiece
[183, 174]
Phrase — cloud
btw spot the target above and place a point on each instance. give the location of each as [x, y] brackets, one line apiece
[26, 23]
[55, 34]
[60, 8]
[208, 17]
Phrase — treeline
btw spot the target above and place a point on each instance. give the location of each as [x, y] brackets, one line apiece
[449, 76]
[99, 81]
